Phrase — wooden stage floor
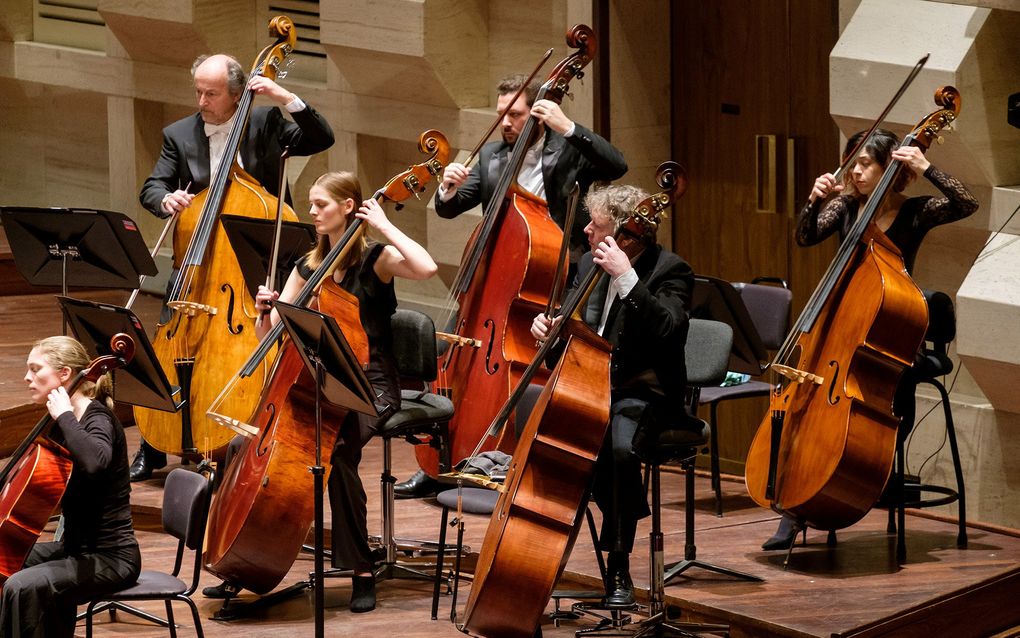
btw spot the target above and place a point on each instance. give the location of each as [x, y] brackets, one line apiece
[852, 589]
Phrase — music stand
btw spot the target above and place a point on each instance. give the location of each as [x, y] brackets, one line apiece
[718, 300]
[91, 248]
[252, 241]
[340, 380]
[142, 381]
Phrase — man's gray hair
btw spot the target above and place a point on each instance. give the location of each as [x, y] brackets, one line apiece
[616, 200]
[236, 77]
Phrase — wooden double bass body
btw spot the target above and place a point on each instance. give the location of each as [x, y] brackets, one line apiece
[538, 514]
[212, 327]
[264, 507]
[825, 451]
[505, 279]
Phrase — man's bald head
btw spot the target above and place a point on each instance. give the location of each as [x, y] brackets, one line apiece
[219, 80]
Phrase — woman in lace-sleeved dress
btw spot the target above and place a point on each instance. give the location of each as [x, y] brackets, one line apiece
[905, 220]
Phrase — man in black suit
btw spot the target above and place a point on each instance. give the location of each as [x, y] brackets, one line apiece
[642, 310]
[566, 153]
[193, 146]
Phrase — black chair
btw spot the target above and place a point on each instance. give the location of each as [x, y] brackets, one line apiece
[186, 498]
[769, 309]
[932, 363]
[707, 356]
[423, 417]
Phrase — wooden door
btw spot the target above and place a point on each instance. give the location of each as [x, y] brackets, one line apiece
[751, 124]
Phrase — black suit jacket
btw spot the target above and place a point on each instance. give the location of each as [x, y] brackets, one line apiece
[184, 157]
[584, 157]
[648, 329]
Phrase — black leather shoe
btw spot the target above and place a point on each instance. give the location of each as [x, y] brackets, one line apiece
[418, 486]
[785, 536]
[620, 590]
[223, 590]
[146, 460]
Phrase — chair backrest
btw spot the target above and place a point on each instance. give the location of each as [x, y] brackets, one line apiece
[707, 353]
[414, 345]
[186, 506]
[769, 308]
[941, 318]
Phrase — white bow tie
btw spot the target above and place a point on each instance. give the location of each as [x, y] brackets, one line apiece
[212, 129]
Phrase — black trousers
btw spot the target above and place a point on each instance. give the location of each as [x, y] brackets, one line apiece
[347, 499]
[618, 489]
[42, 599]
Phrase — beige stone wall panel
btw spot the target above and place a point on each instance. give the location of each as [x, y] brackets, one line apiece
[16, 20]
[175, 32]
[410, 49]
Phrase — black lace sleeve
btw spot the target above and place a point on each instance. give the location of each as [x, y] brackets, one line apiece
[957, 203]
[816, 222]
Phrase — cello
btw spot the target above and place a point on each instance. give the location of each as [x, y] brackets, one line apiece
[538, 514]
[505, 278]
[212, 322]
[825, 451]
[37, 473]
[248, 542]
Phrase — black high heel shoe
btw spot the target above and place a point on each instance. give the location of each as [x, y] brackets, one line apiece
[785, 536]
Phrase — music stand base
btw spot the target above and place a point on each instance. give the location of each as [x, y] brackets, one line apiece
[674, 570]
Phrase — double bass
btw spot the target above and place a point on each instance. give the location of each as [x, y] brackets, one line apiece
[505, 279]
[37, 473]
[248, 542]
[211, 328]
[825, 451]
[539, 511]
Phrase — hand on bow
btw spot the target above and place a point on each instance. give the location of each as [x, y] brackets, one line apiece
[541, 326]
[824, 184]
[264, 299]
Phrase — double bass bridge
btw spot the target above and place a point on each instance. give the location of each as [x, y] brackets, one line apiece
[191, 308]
[798, 376]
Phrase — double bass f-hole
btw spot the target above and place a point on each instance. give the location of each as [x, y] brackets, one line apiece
[267, 431]
[239, 328]
[833, 395]
[490, 367]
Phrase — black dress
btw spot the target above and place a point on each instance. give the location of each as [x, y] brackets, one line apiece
[916, 216]
[347, 501]
[98, 552]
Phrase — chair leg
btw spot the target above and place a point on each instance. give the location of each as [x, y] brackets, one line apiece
[690, 549]
[713, 452]
[170, 619]
[961, 537]
[194, 615]
[440, 556]
[901, 507]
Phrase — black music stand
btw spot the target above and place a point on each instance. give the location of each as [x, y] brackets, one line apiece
[252, 241]
[718, 300]
[76, 246]
[339, 380]
[142, 381]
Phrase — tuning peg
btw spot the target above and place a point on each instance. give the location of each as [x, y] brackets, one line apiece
[940, 139]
